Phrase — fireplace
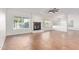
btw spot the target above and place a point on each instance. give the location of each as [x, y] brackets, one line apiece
[36, 25]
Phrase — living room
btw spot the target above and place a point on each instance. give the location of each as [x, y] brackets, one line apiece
[39, 28]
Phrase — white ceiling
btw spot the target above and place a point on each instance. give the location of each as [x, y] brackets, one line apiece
[32, 10]
[70, 10]
[45, 10]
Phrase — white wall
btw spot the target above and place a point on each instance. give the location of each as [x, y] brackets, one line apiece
[36, 17]
[62, 26]
[72, 14]
[2, 26]
[10, 22]
[75, 18]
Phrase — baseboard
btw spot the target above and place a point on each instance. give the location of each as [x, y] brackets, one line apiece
[18, 34]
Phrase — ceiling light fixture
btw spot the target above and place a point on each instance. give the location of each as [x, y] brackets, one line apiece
[54, 10]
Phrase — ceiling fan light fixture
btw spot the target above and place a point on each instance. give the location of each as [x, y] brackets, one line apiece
[54, 10]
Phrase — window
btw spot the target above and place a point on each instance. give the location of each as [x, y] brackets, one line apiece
[47, 24]
[70, 23]
[21, 22]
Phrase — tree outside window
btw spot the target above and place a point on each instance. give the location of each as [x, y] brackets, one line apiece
[21, 22]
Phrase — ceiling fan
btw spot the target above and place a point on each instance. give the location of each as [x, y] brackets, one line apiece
[54, 10]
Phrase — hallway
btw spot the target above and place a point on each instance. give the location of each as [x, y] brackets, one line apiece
[49, 40]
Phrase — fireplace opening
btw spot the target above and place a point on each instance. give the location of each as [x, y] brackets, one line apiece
[36, 25]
